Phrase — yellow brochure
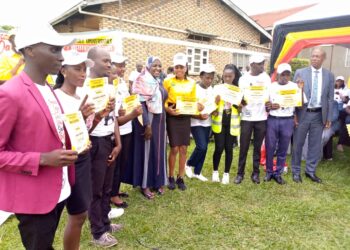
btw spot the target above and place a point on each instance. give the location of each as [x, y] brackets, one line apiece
[98, 92]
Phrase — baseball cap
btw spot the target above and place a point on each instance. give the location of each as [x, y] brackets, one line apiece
[117, 58]
[340, 78]
[30, 34]
[283, 67]
[207, 68]
[73, 57]
[180, 59]
[256, 58]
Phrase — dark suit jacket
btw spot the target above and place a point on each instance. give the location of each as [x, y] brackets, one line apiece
[327, 94]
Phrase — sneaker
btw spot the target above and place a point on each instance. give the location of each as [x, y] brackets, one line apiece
[171, 184]
[188, 171]
[106, 240]
[180, 183]
[115, 213]
[225, 179]
[215, 177]
[200, 177]
[113, 228]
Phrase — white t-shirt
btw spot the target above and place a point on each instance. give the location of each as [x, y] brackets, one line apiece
[202, 93]
[133, 75]
[56, 114]
[274, 88]
[254, 112]
[123, 91]
[106, 125]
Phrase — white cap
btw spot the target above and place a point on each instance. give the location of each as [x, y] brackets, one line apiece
[180, 59]
[30, 34]
[284, 67]
[117, 58]
[207, 68]
[256, 58]
[340, 78]
[73, 57]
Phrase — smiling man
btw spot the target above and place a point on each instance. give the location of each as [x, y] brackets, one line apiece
[34, 178]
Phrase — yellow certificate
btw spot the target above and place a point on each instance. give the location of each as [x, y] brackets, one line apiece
[186, 105]
[98, 92]
[209, 105]
[288, 98]
[77, 131]
[230, 93]
[255, 95]
[130, 103]
[348, 127]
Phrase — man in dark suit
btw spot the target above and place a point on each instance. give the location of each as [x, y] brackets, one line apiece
[314, 115]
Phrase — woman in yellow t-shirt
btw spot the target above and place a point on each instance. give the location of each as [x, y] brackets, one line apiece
[178, 126]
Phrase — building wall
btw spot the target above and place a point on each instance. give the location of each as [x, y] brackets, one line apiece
[204, 16]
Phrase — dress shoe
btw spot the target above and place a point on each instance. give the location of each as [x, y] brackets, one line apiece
[255, 178]
[268, 177]
[238, 179]
[279, 179]
[297, 178]
[313, 177]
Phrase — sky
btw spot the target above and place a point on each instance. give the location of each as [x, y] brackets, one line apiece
[29, 9]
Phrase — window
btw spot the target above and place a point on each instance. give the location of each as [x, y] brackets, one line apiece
[347, 58]
[196, 57]
[240, 60]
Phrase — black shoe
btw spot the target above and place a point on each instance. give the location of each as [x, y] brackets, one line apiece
[120, 205]
[171, 184]
[255, 178]
[297, 178]
[313, 177]
[238, 179]
[268, 177]
[180, 183]
[279, 179]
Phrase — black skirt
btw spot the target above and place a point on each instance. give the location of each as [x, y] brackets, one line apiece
[178, 129]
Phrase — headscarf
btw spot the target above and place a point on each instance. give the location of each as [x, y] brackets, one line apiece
[147, 87]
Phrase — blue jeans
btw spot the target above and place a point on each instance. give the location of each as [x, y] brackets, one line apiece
[201, 138]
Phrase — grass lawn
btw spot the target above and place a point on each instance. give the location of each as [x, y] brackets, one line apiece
[247, 216]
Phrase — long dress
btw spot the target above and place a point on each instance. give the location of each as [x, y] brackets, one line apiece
[149, 166]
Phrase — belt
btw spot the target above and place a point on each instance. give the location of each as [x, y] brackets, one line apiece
[281, 117]
[313, 109]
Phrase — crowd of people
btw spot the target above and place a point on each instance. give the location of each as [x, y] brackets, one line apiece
[40, 174]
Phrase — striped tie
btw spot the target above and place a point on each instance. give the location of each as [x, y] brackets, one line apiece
[313, 101]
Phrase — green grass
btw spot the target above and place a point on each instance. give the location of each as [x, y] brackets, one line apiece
[247, 216]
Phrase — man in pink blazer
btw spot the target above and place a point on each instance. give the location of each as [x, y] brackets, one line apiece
[34, 177]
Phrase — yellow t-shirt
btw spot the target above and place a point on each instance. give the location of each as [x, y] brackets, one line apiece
[175, 88]
[7, 62]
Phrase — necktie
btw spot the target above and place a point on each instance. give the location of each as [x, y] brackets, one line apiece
[313, 101]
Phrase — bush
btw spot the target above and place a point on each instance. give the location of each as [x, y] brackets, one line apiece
[298, 63]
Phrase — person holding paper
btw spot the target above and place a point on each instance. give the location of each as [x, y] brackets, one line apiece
[253, 119]
[124, 159]
[149, 147]
[106, 146]
[280, 124]
[201, 123]
[36, 163]
[178, 126]
[225, 125]
[71, 76]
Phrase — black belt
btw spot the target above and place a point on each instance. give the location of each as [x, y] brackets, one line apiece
[313, 109]
[281, 117]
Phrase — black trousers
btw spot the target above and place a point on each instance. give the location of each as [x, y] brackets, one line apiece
[38, 230]
[102, 178]
[258, 129]
[121, 163]
[224, 141]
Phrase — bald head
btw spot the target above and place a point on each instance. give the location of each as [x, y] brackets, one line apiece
[102, 60]
[139, 66]
[318, 55]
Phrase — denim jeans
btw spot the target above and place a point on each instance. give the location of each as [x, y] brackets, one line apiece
[201, 138]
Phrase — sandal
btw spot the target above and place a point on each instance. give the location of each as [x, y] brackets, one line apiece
[160, 191]
[148, 194]
[120, 205]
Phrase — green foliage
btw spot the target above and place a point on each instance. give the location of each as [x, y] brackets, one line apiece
[247, 216]
[298, 63]
[6, 27]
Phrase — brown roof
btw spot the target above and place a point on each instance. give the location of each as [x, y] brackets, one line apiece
[266, 20]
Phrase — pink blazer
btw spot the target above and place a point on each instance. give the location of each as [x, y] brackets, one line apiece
[26, 130]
